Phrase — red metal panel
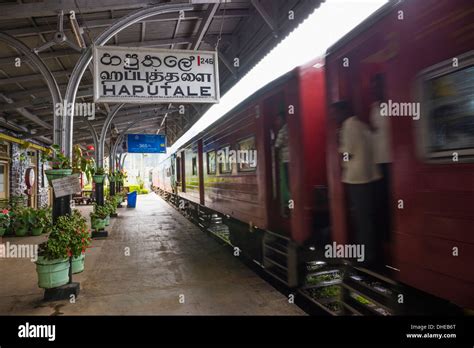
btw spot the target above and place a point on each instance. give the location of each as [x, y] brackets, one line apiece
[307, 146]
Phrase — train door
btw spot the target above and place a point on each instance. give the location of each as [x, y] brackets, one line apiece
[278, 164]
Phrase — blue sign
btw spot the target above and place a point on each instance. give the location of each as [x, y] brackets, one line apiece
[146, 143]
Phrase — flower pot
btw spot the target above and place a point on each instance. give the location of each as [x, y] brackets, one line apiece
[52, 174]
[78, 264]
[2, 231]
[98, 179]
[98, 224]
[52, 273]
[36, 231]
[21, 231]
[107, 220]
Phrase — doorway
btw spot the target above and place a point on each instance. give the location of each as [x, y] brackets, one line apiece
[4, 179]
[278, 165]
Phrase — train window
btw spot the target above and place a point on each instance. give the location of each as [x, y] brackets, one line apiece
[247, 154]
[448, 110]
[178, 170]
[195, 166]
[211, 162]
[223, 158]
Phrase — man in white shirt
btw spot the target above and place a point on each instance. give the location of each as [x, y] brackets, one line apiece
[382, 157]
[359, 173]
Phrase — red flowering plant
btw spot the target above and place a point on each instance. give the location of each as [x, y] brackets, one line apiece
[80, 239]
[69, 237]
[4, 218]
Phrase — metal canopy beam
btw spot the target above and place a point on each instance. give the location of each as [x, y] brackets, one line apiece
[101, 23]
[204, 26]
[266, 17]
[27, 114]
[32, 77]
[46, 74]
[50, 7]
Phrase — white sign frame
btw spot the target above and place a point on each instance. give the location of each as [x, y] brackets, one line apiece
[143, 51]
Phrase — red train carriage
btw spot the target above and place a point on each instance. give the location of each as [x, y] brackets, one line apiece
[249, 193]
[424, 51]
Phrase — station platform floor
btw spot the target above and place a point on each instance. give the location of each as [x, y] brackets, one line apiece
[153, 259]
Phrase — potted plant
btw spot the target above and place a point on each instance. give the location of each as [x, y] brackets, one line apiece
[53, 263]
[111, 209]
[114, 202]
[48, 220]
[38, 220]
[21, 222]
[99, 175]
[65, 246]
[98, 217]
[4, 221]
[60, 163]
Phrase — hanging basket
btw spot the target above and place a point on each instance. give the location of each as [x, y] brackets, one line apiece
[98, 179]
[52, 174]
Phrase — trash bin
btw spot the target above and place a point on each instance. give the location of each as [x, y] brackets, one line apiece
[132, 199]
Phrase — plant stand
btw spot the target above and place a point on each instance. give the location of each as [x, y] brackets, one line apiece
[99, 234]
[63, 292]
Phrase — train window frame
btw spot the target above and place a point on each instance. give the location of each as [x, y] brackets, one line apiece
[209, 171]
[220, 164]
[238, 144]
[422, 132]
[194, 170]
[178, 170]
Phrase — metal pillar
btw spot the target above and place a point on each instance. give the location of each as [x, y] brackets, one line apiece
[103, 134]
[61, 206]
[101, 40]
[95, 137]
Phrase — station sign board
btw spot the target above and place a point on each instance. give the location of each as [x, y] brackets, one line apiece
[150, 75]
[146, 143]
[66, 186]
